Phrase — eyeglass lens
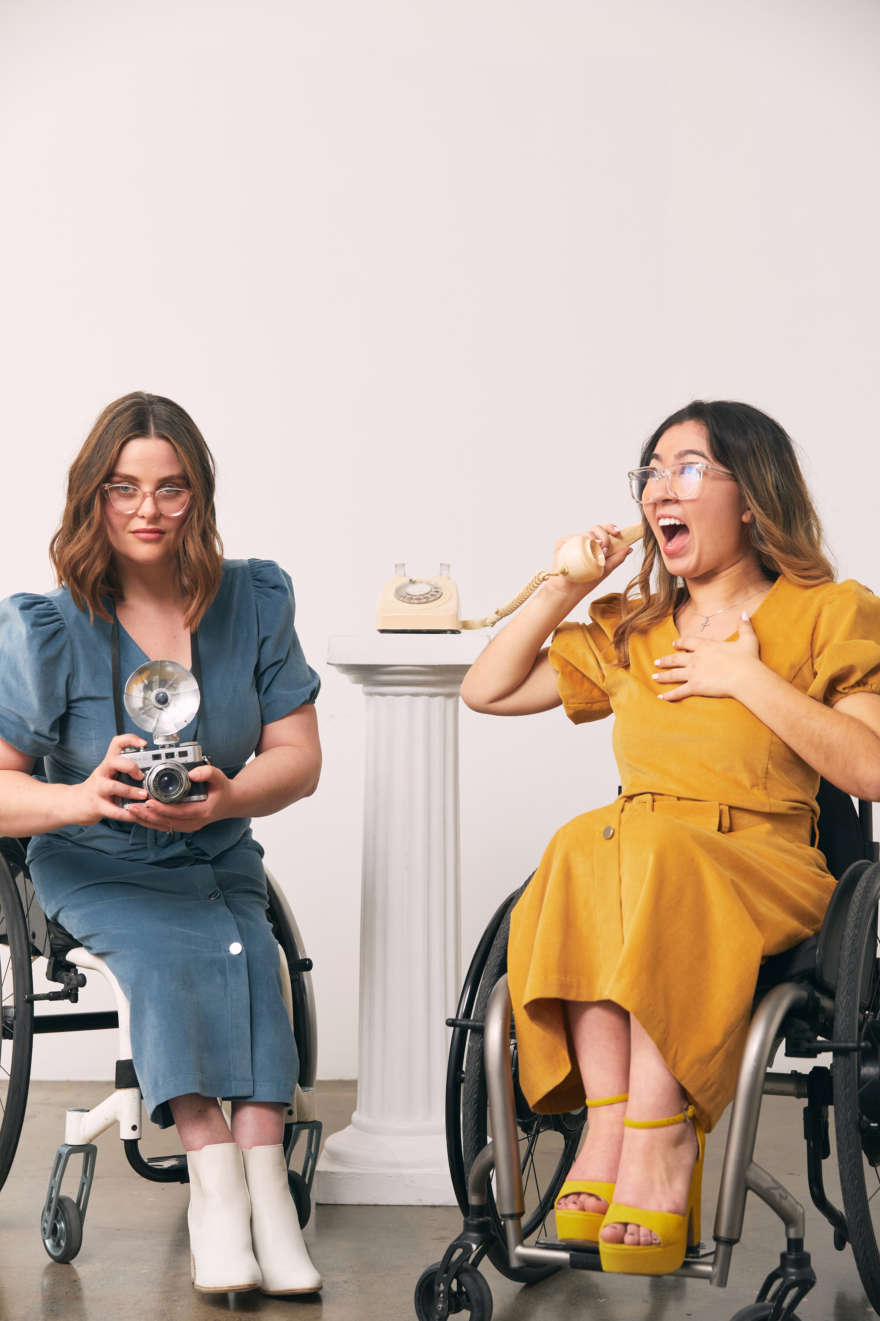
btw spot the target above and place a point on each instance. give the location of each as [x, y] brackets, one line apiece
[650, 484]
[169, 500]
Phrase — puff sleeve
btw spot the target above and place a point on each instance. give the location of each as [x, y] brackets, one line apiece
[846, 644]
[577, 654]
[36, 664]
[285, 681]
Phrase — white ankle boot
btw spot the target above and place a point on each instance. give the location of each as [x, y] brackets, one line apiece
[277, 1237]
[219, 1220]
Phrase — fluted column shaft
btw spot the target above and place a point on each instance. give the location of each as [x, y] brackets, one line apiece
[393, 1151]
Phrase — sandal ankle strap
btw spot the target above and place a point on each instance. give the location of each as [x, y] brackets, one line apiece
[607, 1100]
[686, 1114]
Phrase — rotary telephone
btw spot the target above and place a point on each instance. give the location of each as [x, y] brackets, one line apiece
[430, 605]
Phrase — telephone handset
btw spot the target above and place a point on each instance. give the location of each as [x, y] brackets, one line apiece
[430, 605]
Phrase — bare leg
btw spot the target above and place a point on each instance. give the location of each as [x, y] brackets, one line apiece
[257, 1123]
[199, 1121]
[655, 1163]
[600, 1035]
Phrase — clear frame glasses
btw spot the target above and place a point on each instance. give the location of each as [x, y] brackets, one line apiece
[682, 481]
[126, 498]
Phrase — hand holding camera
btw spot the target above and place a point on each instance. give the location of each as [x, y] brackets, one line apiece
[162, 697]
[166, 785]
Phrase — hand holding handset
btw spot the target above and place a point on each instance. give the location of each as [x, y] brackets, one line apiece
[415, 605]
[582, 559]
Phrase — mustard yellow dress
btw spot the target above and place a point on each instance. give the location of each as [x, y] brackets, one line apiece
[667, 900]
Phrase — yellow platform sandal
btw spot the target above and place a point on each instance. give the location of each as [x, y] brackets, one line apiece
[584, 1226]
[675, 1232]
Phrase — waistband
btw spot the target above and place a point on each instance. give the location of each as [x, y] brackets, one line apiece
[722, 817]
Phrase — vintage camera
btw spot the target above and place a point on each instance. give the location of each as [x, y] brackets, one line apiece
[165, 771]
[162, 697]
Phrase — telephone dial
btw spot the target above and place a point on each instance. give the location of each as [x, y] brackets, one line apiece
[430, 605]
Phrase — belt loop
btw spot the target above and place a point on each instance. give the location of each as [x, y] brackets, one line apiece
[723, 818]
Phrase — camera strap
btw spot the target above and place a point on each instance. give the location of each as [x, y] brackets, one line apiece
[116, 672]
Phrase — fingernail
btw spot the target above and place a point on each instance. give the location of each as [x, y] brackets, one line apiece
[661, 696]
[656, 676]
[744, 616]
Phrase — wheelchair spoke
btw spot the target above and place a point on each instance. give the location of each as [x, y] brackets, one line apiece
[529, 1167]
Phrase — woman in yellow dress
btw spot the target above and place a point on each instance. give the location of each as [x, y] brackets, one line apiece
[739, 672]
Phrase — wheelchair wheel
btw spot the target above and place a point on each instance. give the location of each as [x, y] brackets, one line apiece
[305, 1031]
[548, 1143]
[856, 1076]
[469, 1294]
[759, 1312]
[305, 1028]
[299, 1191]
[63, 1239]
[16, 1040]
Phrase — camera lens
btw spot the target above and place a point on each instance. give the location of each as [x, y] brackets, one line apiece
[167, 784]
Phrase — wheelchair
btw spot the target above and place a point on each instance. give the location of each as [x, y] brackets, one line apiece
[26, 935]
[823, 996]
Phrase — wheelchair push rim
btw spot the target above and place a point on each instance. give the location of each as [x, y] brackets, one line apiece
[16, 1041]
[547, 1143]
[856, 1079]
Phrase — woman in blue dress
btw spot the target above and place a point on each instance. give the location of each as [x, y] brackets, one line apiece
[172, 896]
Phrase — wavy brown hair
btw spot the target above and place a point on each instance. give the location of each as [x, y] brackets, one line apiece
[786, 532]
[80, 550]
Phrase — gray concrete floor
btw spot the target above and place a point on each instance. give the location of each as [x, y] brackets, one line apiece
[135, 1261]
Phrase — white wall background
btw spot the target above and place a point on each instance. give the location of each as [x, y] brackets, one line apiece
[426, 274]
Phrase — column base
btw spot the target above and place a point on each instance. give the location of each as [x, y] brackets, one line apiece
[368, 1169]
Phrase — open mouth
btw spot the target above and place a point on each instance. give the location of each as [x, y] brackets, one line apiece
[675, 534]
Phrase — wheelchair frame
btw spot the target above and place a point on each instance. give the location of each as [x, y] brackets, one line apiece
[29, 935]
[816, 997]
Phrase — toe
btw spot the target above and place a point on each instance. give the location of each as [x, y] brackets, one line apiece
[612, 1233]
[582, 1202]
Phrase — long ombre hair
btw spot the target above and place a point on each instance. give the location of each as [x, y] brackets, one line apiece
[80, 550]
[785, 529]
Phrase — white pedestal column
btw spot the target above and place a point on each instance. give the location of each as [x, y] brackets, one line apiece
[394, 1149]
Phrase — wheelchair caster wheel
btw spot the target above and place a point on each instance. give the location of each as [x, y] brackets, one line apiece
[64, 1238]
[299, 1191]
[467, 1292]
[760, 1312]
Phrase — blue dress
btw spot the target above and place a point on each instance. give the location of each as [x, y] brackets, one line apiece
[179, 917]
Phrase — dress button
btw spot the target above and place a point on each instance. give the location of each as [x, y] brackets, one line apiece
[215, 894]
[608, 832]
[235, 947]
